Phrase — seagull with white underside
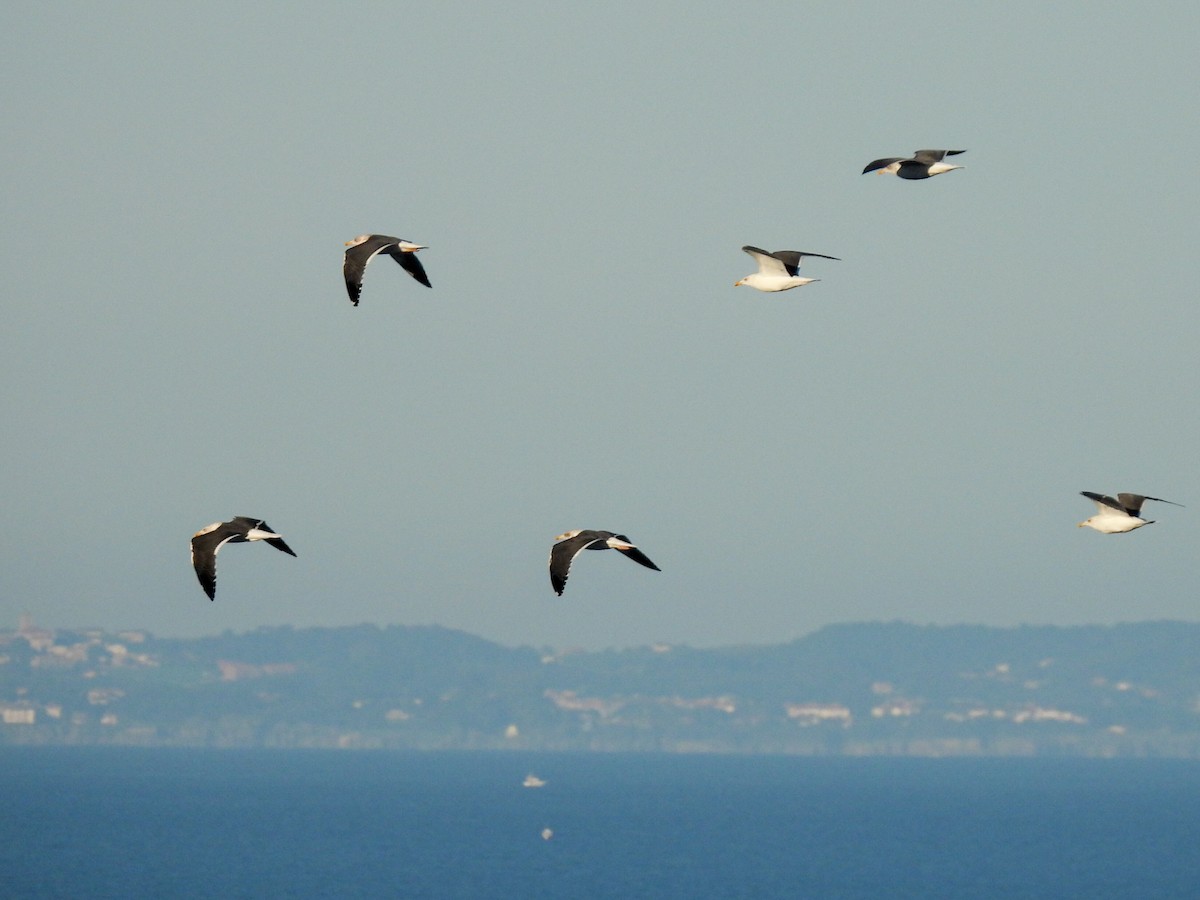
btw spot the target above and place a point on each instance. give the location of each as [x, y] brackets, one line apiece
[778, 271]
[922, 164]
[568, 545]
[238, 530]
[366, 247]
[1120, 515]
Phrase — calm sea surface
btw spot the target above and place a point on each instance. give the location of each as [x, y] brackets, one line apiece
[83, 822]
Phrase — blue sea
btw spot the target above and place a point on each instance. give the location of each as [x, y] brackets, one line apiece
[133, 823]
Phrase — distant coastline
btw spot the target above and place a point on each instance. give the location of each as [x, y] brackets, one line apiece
[872, 689]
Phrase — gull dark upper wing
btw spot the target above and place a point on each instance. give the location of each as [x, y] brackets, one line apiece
[206, 571]
[1133, 502]
[791, 259]
[932, 156]
[278, 544]
[639, 557]
[204, 555]
[563, 553]
[409, 262]
[352, 271]
[1104, 500]
[356, 261]
[881, 163]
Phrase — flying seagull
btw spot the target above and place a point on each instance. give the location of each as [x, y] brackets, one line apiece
[363, 249]
[778, 271]
[238, 530]
[567, 546]
[924, 164]
[1120, 515]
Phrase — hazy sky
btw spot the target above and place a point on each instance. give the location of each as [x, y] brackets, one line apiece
[904, 439]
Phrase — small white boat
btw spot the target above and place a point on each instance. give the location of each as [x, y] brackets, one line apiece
[532, 780]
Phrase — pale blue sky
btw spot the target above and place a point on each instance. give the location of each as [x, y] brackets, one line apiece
[904, 439]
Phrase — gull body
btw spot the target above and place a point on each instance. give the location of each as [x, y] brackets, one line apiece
[1120, 515]
[778, 271]
[366, 247]
[569, 544]
[239, 530]
[922, 164]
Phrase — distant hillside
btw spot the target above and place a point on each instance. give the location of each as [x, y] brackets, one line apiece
[891, 688]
